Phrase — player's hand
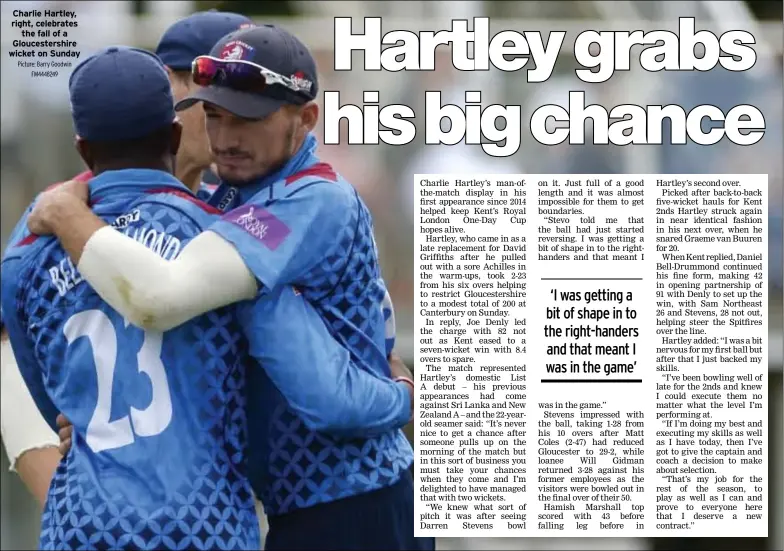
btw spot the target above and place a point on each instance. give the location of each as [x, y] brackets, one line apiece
[50, 204]
[397, 367]
[66, 429]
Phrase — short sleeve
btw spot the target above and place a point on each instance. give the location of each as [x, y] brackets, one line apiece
[281, 240]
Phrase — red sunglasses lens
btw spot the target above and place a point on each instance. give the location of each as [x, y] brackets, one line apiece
[204, 71]
[238, 76]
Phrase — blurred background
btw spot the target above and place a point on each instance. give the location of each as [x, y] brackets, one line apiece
[37, 149]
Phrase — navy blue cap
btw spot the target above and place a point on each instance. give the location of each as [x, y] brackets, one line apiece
[273, 48]
[196, 35]
[120, 93]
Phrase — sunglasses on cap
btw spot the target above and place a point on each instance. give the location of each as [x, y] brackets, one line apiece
[240, 75]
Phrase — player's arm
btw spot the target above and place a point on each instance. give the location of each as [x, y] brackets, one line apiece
[252, 249]
[31, 445]
[151, 292]
[21, 345]
[316, 374]
[30, 442]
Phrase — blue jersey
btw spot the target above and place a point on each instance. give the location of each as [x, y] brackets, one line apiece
[157, 457]
[348, 401]
[228, 198]
[205, 191]
[305, 226]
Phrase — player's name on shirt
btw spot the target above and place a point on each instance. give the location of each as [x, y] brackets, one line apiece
[64, 275]
[161, 243]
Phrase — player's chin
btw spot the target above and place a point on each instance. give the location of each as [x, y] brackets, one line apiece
[234, 173]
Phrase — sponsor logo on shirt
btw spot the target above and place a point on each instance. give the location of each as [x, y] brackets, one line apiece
[260, 224]
[231, 193]
[124, 220]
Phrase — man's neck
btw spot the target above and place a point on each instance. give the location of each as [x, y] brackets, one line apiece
[161, 165]
[190, 175]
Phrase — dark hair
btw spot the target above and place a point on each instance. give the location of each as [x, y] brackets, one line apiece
[147, 148]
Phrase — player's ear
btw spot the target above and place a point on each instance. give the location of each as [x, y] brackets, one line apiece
[176, 136]
[83, 148]
[309, 114]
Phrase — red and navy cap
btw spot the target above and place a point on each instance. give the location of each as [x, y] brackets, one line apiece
[195, 35]
[273, 48]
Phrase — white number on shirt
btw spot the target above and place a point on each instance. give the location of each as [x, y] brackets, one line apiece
[102, 433]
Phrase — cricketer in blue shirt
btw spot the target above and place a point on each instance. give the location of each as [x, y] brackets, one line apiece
[157, 462]
[330, 255]
[293, 466]
[160, 464]
[301, 225]
[305, 225]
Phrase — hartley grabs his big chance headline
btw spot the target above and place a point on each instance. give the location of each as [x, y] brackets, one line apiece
[508, 51]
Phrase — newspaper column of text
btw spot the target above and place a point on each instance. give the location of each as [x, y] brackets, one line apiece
[711, 354]
[471, 349]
